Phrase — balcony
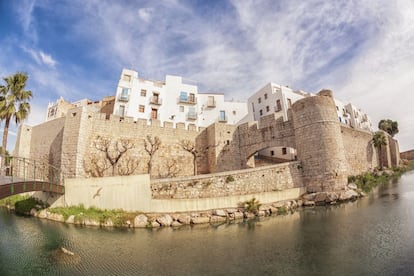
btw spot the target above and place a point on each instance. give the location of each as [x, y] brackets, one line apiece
[187, 100]
[155, 100]
[123, 98]
[222, 119]
[191, 116]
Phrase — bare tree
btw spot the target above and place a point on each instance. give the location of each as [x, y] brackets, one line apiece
[151, 146]
[127, 166]
[189, 146]
[96, 165]
[172, 169]
[113, 151]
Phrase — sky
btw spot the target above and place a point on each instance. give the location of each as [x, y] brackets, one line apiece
[362, 50]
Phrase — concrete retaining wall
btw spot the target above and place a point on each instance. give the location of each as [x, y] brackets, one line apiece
[133, 193]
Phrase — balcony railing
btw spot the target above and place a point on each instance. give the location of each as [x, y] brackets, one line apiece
[155, 100]
[222, 119]
[123, 98]
[187, 100]
[211, 103]
[191, 116]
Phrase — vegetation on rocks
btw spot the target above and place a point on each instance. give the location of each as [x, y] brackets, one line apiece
[118, 217]
[367, 181]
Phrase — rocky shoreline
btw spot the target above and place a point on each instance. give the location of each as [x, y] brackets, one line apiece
[217, 216]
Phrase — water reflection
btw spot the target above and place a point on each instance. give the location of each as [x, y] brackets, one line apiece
[369, 236]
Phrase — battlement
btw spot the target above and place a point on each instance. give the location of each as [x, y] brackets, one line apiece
[129, 121]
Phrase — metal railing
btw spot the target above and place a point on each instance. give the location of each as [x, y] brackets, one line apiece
[25, 169]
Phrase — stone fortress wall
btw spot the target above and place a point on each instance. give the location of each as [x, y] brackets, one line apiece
[409, 155]
[327, 152]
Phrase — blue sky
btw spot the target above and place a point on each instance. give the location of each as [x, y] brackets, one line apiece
[362, 50]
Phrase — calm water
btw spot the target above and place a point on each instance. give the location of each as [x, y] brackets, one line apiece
[372, 236]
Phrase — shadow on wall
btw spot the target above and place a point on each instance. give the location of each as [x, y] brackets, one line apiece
[370, 154]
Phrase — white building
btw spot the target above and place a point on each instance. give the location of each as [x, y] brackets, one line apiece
[274, 98]
[172, 101]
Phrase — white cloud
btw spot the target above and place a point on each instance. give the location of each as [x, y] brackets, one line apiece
[47, 59]
[40, 57]
[145, 14]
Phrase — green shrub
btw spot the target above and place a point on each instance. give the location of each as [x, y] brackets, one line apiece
[23, 207]
[252, 205]
[229, 179]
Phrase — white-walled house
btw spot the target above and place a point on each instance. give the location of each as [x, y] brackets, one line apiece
[172, 101]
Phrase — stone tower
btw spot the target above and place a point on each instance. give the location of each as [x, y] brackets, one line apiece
[319, 143]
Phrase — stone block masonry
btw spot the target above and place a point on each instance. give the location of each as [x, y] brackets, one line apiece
[327, 151]
[243, 182]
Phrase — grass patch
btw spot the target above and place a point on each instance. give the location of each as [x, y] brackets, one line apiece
[11, 200]
[369, 180]
[80, 213]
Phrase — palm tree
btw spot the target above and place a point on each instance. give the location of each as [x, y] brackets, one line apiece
[14, 104]
[378, 140]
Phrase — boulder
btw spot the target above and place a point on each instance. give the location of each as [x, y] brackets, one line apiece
[299, 202]
[91, 222]
[248, 215]
[309, 203]
[42, 214]
[200, 220]
[320, 198]
[220, 213]
[56, 217]
[140, 221]
[33, 212]
[217, 219]
[175, 224]
[309, 197]
[261, 213]
[278, 204]
[184, 219]
[331, 197]
[155, 224]
[71, 219]
[348, 195]
[232, 211]
[165, 220]
[352, 186]
[238, 215]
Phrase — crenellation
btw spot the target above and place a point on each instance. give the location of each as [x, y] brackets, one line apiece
[327, 151]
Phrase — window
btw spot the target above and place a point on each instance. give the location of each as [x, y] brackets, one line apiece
[278, 105]
[289, 102]
[267, 108]
[211, 102]
[126, 78]
[141, 109]
[191, 98]
[122, 110]
[143, 93]
[272, 152]
[234, 112]
[265, 96]
[259, 100]
[222, 115]
[284, 151]
[181, 108]
[125, 91]
[183, 96]
[154, 113]
[337, 108]
[261, 112]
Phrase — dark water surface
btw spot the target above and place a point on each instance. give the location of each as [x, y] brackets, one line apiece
[372, 236]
